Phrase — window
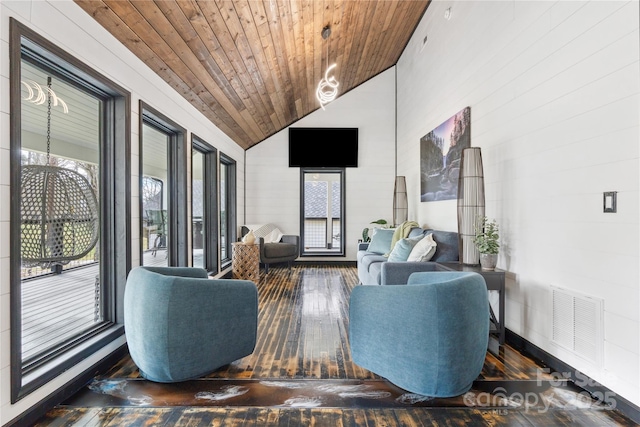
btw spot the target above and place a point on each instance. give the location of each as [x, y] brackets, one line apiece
[227, 208]
[204, 215]
[69, 233]
[322, 212]
[155, 165]
[163, 201]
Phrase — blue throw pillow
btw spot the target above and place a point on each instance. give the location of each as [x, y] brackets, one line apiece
[403, 248]
[381, 241]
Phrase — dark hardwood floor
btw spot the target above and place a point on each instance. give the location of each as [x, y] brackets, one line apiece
[301, 374]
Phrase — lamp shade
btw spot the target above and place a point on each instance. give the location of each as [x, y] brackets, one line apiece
[470, 203]
[400, 202]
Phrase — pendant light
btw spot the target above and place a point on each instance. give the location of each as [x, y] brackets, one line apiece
[327, 89]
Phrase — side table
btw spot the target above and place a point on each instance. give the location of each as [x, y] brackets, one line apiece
[245, 261]
[495, 282]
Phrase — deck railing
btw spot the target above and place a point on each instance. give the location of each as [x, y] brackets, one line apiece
[56, 308]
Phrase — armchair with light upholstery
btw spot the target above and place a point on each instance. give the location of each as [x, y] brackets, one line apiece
[429, 337]
[181, 325]
[286, 249]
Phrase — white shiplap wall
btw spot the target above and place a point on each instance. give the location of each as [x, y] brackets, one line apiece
[273, 188]
[70, 28]
[554, 94]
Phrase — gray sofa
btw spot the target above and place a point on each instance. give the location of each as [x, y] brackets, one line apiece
[374, 269]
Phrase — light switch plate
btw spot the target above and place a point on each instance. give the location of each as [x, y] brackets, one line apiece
[610, 201]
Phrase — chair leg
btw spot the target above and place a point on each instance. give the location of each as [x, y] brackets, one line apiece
[266, 268]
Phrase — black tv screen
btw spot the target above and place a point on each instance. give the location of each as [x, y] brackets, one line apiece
[323, 147]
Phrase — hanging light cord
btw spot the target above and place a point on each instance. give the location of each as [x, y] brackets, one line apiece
[49, 92]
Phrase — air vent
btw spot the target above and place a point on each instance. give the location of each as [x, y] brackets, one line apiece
[577, 323]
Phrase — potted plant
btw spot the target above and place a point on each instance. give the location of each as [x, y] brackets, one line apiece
[365, 233]
[486, 240]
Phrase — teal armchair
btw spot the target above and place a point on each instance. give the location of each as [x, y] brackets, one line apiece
[428, 337]
[181, 325]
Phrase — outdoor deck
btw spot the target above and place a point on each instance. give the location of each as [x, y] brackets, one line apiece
[55, 308]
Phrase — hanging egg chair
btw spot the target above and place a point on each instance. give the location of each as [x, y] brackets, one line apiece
[59, 216]
[58, 211]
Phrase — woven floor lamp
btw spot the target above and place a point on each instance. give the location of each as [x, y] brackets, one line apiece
[400, 202]
[470, 203]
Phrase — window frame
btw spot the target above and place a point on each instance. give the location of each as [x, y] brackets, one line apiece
[210, 210]
[177, 227]
[231, 204]
[343, 209]
[115, 188]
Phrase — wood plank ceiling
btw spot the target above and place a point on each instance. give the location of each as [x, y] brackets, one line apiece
[252, 67]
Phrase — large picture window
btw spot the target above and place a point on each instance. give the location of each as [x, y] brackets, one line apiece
[204, 215]
[322, 211]
[60, 253]
[69, 250]
[155, 218]
[163, 200]
[227, 208]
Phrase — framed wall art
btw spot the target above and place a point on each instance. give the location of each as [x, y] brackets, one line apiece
[440, 152]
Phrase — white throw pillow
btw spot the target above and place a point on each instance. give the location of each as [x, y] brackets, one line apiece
[424, 249]
[274, 236]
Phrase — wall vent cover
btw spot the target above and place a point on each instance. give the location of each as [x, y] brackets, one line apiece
[577, 323]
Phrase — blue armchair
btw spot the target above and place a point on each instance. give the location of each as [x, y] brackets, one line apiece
[429, 337]
[181, 325]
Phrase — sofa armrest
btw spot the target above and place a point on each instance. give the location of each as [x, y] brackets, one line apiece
[397, 273]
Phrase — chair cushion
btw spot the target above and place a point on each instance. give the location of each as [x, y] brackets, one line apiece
[375, 270]
[372, 259]
[361, 254]
[278, 250]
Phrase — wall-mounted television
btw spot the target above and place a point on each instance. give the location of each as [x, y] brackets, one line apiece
[323, 147]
